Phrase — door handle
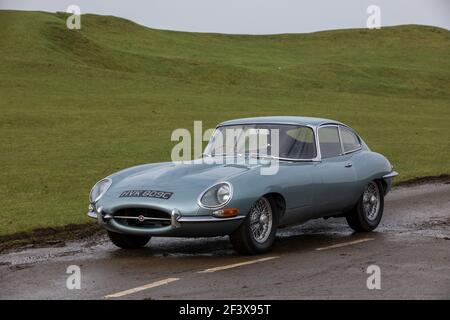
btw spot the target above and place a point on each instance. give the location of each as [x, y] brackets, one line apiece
[348, 164]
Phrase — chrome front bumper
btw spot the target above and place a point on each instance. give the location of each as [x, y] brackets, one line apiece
[181, 226]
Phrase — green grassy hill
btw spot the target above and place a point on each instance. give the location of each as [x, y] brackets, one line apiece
[78, 105]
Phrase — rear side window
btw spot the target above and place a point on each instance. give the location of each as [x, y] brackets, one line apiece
[330, 145]
[350, 140]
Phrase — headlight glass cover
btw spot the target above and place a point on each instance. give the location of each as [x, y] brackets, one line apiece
[99, 190]
[216, 196]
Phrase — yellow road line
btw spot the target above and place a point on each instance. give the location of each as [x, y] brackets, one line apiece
[142, 288]
[344, 244]
[235, 265]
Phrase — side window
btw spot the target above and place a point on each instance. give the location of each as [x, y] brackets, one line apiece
[330, 145]
[350, 140]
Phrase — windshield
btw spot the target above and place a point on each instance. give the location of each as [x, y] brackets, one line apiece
[265, 140]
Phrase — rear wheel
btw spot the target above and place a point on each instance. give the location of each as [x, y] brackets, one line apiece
[126, 241]
[257, 233]
[368, 212]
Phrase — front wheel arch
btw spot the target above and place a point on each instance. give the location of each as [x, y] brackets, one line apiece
[243, 239]
[280, 202]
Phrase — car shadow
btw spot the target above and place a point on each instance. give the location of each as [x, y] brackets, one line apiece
[306, 237]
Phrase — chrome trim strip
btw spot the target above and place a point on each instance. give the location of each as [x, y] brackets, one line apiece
[316, 139]
[340, 140]
[136, 218]
[390, 175]
[175, 216]
[351, 151]
[208, 219]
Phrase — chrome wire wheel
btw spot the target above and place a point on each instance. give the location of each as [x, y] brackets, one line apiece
[371, 201]
[261, 220]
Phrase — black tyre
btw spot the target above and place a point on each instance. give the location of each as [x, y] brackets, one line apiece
[257, 232]
[126, 241]
[368, 211]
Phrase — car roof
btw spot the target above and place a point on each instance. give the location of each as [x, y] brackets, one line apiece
[281, 120]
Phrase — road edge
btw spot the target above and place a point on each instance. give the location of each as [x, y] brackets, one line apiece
[57, 236]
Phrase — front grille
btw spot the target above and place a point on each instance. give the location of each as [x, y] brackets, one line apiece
[152, 218]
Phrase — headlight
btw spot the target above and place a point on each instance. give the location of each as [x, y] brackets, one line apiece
[216, 196]
[99, 190]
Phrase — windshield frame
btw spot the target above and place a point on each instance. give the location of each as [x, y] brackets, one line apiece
[313, 128]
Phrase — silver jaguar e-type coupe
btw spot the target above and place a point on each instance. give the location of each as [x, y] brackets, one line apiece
[322, 168]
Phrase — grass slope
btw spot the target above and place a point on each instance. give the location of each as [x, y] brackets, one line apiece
[78, 105]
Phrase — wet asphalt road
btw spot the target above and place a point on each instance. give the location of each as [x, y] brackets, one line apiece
[321, 259]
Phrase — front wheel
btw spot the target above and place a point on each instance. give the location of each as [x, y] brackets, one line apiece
[368, 211]
[127, 241]
[257, 233]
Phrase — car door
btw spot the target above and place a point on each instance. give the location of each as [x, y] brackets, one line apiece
[297, 177]
[335, 191]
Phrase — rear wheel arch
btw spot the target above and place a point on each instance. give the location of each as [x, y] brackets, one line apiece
[358, 218]
[383, 184]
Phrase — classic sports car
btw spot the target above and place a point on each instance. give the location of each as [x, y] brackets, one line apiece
[324, 170]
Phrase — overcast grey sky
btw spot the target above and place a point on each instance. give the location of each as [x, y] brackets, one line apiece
[253, 16]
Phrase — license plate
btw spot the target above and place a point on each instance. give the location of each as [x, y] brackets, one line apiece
[146, 194]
